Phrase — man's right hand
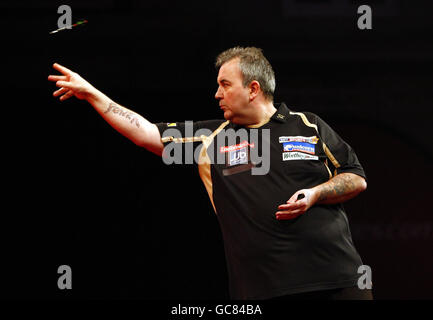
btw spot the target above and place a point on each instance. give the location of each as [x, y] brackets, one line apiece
[127, 122]
[71, 84]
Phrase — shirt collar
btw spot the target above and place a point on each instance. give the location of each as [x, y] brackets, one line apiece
[282, 112]
[280, 115]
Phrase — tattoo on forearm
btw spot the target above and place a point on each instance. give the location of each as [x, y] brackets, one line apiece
[338, 186]
[123, 113]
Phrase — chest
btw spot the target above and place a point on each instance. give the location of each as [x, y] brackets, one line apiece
[283, 150]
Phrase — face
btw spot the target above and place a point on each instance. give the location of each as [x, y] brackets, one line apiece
[232, 95]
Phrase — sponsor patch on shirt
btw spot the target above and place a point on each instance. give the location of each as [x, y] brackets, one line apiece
[298, 156]
[237, 156]
[311, 140]
[173, 124]
[241, 145]
[299, 146]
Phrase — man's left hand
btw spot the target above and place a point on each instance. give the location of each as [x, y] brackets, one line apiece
[294, 207]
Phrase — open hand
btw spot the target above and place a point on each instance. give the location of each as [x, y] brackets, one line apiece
[70, 83]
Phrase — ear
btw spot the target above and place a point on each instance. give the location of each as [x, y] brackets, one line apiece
[254, 88]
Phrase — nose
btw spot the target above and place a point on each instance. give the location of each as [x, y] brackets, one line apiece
[218, 94]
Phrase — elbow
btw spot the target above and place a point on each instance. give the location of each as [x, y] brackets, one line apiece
[362, 184]
[156, 148]
[359, 184]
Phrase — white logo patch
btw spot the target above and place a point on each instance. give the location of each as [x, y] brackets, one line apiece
[312, 139]
[239, 156]
[298, 156]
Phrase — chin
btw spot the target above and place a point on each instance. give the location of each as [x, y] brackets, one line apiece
[228, 115]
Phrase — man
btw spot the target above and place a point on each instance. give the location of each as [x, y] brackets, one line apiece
[285, 231]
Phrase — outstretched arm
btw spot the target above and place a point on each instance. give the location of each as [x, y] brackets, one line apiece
[340, 188]
[128, 123]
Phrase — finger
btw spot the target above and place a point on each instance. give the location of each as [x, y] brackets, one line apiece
[291, 206]
[287, 217]
[62, 69]
[284, 215]
[67, 95]
[60, 91]
[297, 212]
[64, 84]
[56, 77]
[284, 206]
[292, 212]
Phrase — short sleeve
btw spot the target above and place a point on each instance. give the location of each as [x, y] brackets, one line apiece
[341, 155]
[187, 131]
[182, 140]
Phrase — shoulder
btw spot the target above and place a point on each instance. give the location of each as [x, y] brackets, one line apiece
[209, 124]
[190, 124]
[304, 114]
[309, 119]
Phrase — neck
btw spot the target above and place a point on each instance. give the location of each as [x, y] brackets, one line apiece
[264, 113]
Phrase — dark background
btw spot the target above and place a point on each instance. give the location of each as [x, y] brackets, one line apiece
[80, 194]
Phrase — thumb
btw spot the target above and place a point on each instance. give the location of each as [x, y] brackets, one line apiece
[294, 197]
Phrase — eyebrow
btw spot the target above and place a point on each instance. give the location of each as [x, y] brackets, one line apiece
[223, 81]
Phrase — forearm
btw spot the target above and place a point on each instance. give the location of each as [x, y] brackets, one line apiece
[340, 188]
[128, 123]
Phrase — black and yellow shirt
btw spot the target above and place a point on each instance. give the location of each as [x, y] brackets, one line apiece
[267, 257]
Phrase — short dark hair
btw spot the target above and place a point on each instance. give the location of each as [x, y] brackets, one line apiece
[253, 66]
